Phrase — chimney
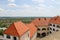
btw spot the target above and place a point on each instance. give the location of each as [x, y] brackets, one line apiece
[44, 18]
[39, 18]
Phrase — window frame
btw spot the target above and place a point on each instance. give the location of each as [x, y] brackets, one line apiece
[47, 28]
[38, 29]
[50, 32]
[8, 36]
[58, 26]
[43, 29]
[14, 38]
[38, 34]
[53, 25]
[50, 24]
[53, 29]
[50, 28]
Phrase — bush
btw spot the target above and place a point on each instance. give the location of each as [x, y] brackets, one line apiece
[1, 32]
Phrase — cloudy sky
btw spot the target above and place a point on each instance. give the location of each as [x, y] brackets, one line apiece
[28, 8]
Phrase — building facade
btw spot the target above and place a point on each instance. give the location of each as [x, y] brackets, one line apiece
[54, 24]
[42, 26]
[17, 31]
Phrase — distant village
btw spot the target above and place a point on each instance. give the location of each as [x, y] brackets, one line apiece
[37, 29]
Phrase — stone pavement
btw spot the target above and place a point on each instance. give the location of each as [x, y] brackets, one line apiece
[1, 38]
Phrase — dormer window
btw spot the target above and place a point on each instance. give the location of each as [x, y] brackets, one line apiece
[50, 24]
[38, 29]
[44, 18]
[39, 18]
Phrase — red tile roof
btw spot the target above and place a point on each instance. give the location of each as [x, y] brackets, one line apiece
[55, 20]
[16, 29]
[41, 21]
[32, 28]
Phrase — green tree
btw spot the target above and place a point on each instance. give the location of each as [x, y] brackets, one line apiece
[1, 32]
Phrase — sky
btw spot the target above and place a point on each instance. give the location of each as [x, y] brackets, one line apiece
[29, 8]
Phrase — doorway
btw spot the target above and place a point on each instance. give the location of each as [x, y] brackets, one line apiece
[43, 34]
[14, 38]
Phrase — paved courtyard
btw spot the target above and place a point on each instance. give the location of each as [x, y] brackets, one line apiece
[1, 37]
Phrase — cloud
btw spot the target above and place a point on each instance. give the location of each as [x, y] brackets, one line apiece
[39, 1]
[41, 5]
[36, 11]
[52, 0]
[12, 5]
[29, 10]
[11, 0]
[51, 6]
[1, 10]
[25, 6]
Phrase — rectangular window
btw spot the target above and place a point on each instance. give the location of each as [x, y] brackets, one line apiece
[8, 36]
[58, 26]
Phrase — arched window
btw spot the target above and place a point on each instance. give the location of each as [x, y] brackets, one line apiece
[43, 34]
[53, 29]
[50, 32]
[38, 34]
[43, 28]
[38, 29]
[53, 25]
[47, 28]
[58, 26]
[50, 28]
[47, 33]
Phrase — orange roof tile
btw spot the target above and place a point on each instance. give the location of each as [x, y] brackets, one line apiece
[32, 28]
[16, 29]
[41, 21]
[55, 20]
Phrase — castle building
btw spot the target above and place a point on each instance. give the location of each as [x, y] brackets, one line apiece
[42, 26]
[17, 31]
[38, 28]
[33, 31]
[54, 24]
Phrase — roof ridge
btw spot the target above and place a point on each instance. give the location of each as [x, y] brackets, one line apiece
[15, 28]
